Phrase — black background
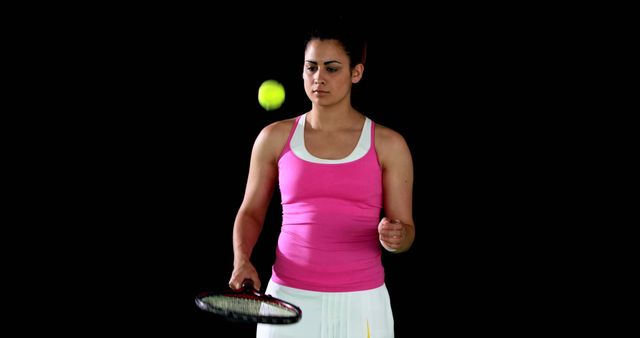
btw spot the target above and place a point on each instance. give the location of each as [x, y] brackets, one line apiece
[174, 114]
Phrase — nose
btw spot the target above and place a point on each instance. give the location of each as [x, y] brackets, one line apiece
[317, 79]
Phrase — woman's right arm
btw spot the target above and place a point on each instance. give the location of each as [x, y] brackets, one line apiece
[263, 171]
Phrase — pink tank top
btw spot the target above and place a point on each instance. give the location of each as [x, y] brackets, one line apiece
[330, 214]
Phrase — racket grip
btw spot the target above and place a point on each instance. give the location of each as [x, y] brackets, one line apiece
[248, 283]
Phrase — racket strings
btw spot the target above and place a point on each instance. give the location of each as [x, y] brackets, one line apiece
[249, 306]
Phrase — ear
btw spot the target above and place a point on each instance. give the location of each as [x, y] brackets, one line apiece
[356, 73]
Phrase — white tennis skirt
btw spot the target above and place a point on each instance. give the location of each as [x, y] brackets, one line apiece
[357, 314]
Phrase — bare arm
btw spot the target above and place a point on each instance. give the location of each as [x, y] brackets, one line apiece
[397, 229]
[263, 171]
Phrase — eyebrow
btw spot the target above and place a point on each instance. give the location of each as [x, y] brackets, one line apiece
[326, 63]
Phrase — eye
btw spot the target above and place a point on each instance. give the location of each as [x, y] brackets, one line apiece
[312, 68]
[332, 69]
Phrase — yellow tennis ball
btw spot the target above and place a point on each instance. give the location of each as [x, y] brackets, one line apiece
[271, 95]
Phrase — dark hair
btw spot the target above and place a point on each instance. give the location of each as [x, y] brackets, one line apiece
[348, 33]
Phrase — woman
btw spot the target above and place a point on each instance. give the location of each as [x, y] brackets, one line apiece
[338, 172]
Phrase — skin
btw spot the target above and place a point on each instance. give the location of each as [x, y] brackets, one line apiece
[332, 130]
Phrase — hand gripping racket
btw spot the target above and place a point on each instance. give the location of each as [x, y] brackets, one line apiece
[249, 305]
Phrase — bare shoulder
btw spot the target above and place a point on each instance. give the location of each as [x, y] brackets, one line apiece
[272, 137]
[276, 132]
[390, 144]
[278, 128]
[388, 138]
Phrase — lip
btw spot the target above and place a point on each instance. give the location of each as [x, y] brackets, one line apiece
[320, 92]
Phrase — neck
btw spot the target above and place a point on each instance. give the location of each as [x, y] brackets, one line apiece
[326, 118]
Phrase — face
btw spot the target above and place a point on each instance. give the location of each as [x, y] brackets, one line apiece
[327, 76]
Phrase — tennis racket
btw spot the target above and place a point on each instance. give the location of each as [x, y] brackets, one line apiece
[248, 305]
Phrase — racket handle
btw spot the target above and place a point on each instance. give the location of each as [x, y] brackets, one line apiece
[247, 283]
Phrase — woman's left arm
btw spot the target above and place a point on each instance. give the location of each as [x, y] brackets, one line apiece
[396, 230]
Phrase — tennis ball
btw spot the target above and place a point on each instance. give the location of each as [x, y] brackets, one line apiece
[271, 95]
